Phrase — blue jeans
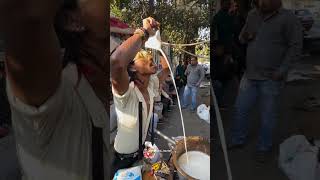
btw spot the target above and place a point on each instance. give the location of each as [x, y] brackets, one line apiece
[190, 91]
[268, 91]
[181, 91]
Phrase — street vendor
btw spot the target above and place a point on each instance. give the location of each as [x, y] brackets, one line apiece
[134, 80]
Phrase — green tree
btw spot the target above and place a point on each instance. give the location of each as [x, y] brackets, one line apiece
[180, 20]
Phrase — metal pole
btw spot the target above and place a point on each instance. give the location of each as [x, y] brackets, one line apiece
[164, 136]
[221, 133]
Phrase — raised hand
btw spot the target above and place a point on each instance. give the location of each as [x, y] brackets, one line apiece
[151, 25]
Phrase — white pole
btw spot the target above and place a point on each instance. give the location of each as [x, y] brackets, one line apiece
[221, 133]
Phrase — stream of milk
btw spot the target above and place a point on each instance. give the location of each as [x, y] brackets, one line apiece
[154, 42]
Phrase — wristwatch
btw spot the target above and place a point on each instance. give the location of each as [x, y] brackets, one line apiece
[143, 33]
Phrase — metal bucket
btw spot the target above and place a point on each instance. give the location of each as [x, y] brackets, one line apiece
[194, 143]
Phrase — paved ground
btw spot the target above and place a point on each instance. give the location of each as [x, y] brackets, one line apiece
[194, 126]
[291, 122]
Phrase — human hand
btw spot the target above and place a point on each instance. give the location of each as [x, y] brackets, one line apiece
[151, 25]
[249, 36]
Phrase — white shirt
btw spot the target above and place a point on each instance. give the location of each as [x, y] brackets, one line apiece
[127, 109]
[157, 98]
[54, 140]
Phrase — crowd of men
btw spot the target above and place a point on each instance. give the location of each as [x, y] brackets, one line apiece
[258, 52]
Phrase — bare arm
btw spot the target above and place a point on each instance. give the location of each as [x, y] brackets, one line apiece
[186, 73]
[243, 34]
[165, 70]
[124, 54]
[32, 49]
[120, 60]
[165, 94]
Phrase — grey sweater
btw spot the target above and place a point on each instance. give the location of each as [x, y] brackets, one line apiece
[278, 41]
[195, 75]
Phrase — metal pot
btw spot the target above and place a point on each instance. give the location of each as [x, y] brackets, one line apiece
[194, 143]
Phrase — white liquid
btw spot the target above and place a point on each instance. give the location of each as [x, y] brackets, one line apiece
[155, 43]
[198, 166]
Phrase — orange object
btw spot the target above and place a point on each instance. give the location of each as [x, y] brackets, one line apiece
[148, 176]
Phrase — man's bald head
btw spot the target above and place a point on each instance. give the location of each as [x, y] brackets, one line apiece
[267, 6]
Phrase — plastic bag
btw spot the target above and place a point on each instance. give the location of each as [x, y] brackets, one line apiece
[204, 112]
[298, 159]
[133, 173]
[154, 42]
[151, 152]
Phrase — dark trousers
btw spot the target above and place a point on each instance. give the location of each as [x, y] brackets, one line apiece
[124, 163]
[166, 103]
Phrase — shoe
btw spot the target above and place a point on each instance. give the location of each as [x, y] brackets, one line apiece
[183, 107]
[193, 110]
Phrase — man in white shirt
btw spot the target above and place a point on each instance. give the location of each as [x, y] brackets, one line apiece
[141, 86]
[55, 110]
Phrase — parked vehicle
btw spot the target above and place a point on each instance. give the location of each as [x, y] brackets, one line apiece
[306, 18]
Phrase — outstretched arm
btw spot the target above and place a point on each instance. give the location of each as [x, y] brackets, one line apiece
[124, 54]
[32, 49]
